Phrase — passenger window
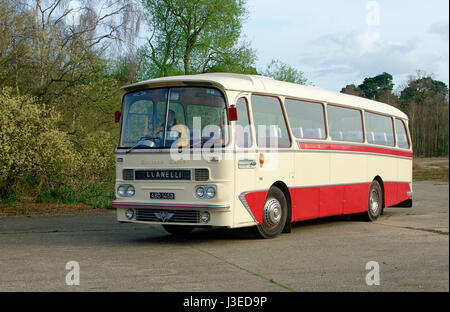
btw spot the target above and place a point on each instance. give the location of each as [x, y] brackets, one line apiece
[379, 129]
[345, 124]
[306, 119]
[402, 137]
[243, 133]
[270, 125]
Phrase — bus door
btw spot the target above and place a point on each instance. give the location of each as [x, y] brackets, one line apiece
[246, 160]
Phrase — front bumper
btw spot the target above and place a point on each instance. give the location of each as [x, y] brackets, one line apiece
[177, 214]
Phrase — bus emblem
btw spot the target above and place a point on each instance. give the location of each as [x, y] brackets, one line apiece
[163, 215]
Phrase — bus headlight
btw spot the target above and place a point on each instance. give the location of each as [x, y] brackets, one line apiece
[205, 192]
[210, 192]
[126, 190]
[200, 192]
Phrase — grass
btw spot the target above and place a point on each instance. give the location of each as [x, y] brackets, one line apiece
[431, 169]
[431, 175]
[63, 200]
[99, 195]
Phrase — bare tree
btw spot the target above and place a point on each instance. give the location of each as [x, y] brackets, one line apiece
[56, 40]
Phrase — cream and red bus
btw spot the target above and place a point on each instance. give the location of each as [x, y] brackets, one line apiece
[249, 151]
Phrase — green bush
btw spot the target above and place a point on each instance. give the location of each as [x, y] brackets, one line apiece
[31, 146]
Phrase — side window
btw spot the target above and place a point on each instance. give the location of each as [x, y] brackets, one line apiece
[345, 124]
[243, 133]
[379, 129]
[306, 119]
[271, 129]
[402, 137]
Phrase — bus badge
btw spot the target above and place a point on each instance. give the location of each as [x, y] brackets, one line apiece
[163, 215]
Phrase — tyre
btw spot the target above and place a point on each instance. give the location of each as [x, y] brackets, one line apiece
[178, 229]
[375, 202]
[274, 214]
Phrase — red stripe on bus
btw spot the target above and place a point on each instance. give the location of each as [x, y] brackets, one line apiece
[323, 201]
[352, 148]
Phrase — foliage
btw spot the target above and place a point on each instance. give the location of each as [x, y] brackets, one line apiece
[426, 102]
[351, 89]
[31, 145]
[284, 72]
[374, 87]
[195, 36]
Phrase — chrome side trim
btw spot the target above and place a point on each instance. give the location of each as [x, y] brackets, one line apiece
[244, 202]
[171, 206]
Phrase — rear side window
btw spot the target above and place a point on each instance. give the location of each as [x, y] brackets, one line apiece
[379, 129]
[402, 137]
[345, 124]
[271, 129]
[306, 119]
[243, 133]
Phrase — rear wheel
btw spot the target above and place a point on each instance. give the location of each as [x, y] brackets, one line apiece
[375, 202]
[274, 214]
[178, 229]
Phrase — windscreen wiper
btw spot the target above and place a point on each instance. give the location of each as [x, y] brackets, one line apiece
[142, 139]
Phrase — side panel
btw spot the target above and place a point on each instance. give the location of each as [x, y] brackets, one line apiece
[356, 198]
[390, 193]
[306, 203]
[312, 170]
[384, 167]
[331, 200]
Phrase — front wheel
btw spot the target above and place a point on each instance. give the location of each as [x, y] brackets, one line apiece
[274, 214]
[178, 229]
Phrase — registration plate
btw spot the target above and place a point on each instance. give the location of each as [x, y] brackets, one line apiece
[161, 195]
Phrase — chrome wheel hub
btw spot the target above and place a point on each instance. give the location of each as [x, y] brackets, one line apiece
[374, 201]
[272, 212]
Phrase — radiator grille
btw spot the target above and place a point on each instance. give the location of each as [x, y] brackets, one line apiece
[128, 174]
[169, 216]
[201, 174]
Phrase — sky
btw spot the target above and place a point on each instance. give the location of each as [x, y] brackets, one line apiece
[341, 42]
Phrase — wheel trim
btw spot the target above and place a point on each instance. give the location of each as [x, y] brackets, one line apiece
[272, 213]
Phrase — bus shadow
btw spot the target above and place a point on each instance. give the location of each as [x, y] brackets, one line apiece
[224, 234]
[199, 235]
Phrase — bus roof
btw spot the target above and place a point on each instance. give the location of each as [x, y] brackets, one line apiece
[266, 85]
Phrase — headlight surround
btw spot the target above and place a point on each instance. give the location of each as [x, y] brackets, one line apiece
[126, 190]
[205, 192]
